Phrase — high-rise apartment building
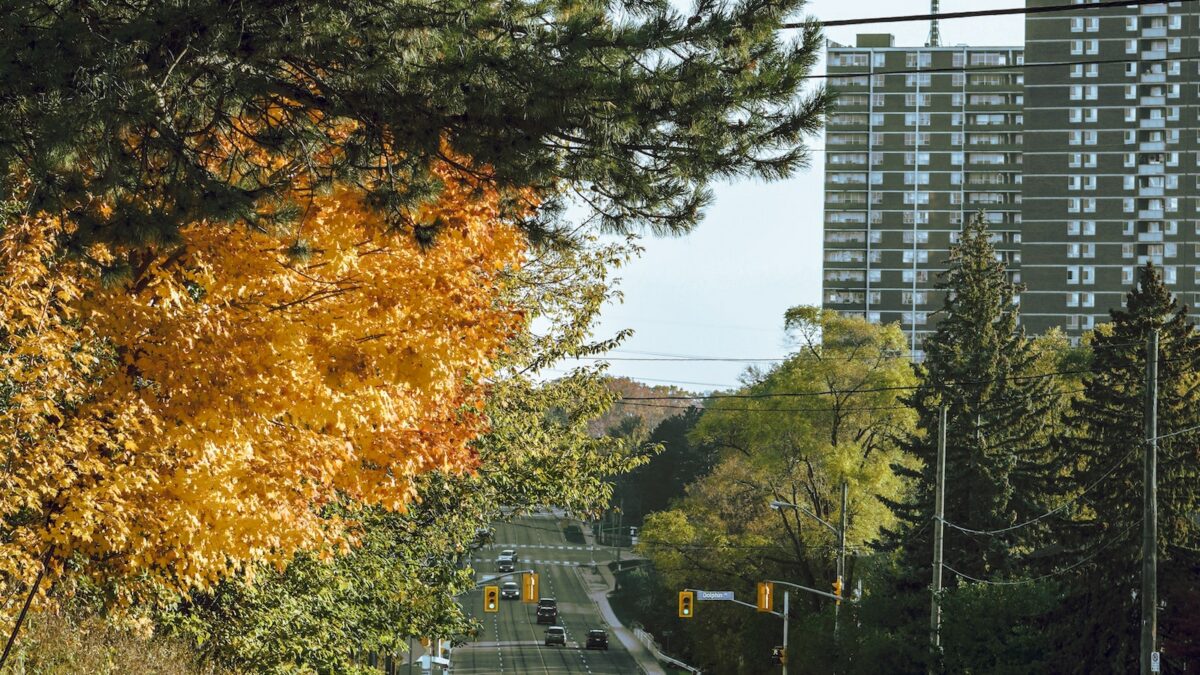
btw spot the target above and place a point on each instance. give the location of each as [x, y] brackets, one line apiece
[910, 155]
[1111, 158]
[1081, 147]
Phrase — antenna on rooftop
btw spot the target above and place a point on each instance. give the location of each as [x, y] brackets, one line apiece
[935, 35]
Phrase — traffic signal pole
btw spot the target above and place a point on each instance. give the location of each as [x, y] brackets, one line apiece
[785, 631]
[841, 563]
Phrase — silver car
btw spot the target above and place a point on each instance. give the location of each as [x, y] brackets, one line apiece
[556, 635]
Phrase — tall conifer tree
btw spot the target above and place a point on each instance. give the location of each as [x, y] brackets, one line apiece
[1105, 435]
[980, 365]
[1000, 409]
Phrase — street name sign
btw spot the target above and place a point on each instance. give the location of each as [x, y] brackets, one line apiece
[714, 595]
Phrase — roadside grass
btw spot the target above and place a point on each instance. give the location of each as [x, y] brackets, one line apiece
[66, 645]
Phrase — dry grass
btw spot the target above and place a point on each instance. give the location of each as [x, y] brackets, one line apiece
[51, 644]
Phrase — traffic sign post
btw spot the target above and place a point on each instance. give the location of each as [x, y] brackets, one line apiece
[1155, 662]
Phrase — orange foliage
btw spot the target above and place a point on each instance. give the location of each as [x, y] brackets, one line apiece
[199, 418]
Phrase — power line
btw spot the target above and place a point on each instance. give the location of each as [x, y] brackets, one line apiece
[839, 392]
[982, 12]
[877, 390]
[1018, 582]
[1070, 501]
[974, 69]
[1031, 521]
[814, 410]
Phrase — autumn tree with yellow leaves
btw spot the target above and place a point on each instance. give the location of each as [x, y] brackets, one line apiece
[210, 409]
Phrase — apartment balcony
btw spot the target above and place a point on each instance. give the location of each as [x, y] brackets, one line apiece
[1151, 169]
[1160, 32]
[1155, 55]
[1150, 10]
[1150, 236]
[1153, 78]
[1144, 259]
[1152, 123]
[1150, 192]
[1152, 147]
[1154, 101]
[1150, 214]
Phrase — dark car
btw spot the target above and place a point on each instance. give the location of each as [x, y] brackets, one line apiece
[547, 611]
[510, 591]
[505, 564]
[556, 635]
[597, 639]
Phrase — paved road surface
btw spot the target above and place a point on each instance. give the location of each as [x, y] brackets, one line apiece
[512, 641]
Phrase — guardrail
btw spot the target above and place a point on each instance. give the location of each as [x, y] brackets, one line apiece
[648, 640]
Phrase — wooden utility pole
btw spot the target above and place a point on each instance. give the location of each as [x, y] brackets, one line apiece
[939, 507]
[1150, 510]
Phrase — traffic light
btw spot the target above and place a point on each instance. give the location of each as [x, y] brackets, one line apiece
[529, 587]
[779, 656]
[687, 603]
[491, 598]
[766, 596]
[837, 589]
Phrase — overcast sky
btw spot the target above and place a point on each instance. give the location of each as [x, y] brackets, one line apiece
[721, 291]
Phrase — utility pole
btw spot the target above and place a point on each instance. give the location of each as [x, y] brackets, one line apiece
[1150, 509]
[786, 612]
[841, 561]
[939, 506]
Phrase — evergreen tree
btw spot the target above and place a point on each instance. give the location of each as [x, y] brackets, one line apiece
[1105, 435]
[137, 117]
[982, 368]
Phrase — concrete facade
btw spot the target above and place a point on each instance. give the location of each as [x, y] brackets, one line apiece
[1084, 170]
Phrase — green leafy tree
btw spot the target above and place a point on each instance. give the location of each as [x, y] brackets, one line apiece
[173, 113]
[828, 414]
[1106, 438]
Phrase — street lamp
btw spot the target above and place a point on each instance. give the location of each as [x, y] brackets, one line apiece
[839, 532]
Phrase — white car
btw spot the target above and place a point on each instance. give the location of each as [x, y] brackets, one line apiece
[509, 553]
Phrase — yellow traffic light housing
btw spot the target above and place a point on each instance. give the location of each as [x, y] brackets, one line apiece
[687, 604]
[837, 589]
[766, 596]
[491, 598]
[529, 587]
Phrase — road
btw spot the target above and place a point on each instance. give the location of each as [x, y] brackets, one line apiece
[512, 641]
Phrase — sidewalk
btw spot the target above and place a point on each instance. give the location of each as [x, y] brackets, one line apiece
[599, 585]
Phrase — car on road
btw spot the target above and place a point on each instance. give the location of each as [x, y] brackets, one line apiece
[597, 639]
[510, 591]
[509, 553]
[556, 635]
[484, 535]
[505, 564]
[547, 611]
